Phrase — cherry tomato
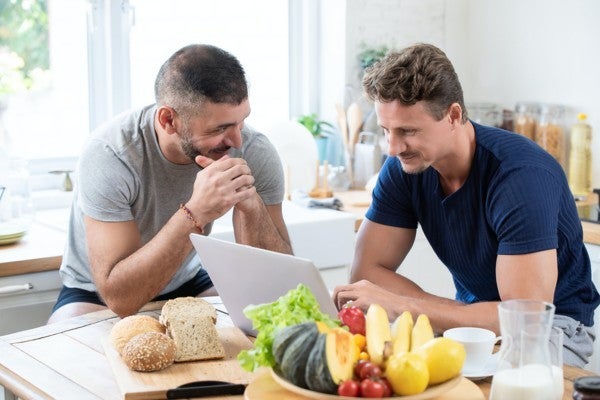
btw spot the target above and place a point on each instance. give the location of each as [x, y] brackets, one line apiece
[369, 370]
[372, 388]
[350, 388]
[388, 387]
[358, 366]
[354, 318]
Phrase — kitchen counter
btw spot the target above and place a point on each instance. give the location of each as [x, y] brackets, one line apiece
[358, 201]
[42, 247]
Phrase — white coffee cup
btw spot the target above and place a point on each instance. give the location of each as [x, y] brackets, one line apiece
[479, 345]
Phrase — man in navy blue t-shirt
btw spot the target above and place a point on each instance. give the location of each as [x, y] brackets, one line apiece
[495, 207]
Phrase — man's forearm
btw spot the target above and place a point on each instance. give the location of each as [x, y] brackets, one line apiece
[139, 278]
[258, 229]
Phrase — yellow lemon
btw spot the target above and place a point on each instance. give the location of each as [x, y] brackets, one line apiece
[407, 373]
[444, 358]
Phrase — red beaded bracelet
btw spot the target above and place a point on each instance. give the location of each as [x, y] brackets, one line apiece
[188, 215]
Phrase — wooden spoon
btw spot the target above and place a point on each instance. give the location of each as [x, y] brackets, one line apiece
[355, 123]
[343, 124]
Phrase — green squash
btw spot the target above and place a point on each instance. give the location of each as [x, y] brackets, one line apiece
[284, 337]
[317, 374]
[295, 356]
[331, 361]
[341, 353]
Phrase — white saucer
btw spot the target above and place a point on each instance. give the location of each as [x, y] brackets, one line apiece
[488, 369]
[11, 232]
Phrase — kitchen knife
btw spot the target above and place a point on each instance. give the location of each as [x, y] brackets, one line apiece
[205, 389]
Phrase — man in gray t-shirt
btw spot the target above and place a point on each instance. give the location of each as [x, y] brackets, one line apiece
[150, 177]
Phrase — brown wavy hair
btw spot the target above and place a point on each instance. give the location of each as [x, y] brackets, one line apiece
[421, 72]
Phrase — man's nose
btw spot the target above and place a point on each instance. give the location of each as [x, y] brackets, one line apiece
[234, 137]
[396, 145]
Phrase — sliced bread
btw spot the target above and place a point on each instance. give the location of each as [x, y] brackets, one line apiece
[184, 307]
[190, 322]
[195, 337]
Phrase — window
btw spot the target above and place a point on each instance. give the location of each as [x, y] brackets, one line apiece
[256, 32]
[43, 44]
[103, 57]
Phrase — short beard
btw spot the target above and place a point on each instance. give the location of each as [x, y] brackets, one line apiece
[192, 151]
[413, 171]
[188, 148]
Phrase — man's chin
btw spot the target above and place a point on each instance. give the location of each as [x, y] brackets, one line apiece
[412, 169]
[218, 154]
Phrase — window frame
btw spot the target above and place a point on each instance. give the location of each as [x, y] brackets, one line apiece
[109, 25]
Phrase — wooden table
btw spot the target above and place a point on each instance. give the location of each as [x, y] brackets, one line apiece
[66, 360]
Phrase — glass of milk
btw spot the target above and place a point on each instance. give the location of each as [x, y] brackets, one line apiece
[525, 369]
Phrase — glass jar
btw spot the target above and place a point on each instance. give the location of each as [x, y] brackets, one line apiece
[526, 118]
[580, 158]
[489, 114]
[586, 388]
[508, 117]
[18, 193]
[549, 133]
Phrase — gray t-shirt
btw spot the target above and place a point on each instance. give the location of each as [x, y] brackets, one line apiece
[123, 175]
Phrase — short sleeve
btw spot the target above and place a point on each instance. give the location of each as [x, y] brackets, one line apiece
[107, 184]
[524, 209]
[265, 164]
[391, 204]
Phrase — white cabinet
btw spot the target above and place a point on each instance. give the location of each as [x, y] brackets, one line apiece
[594, 252]
[423, 267]
[26, 300]
[322, 235]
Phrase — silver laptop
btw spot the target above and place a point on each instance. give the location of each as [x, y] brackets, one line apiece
[246, 275]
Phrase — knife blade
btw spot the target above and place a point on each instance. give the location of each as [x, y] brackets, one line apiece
[205, 389]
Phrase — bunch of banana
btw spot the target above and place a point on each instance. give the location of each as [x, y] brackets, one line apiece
[408, 352]
[403, 336]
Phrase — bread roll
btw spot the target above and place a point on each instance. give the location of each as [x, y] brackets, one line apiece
[149, 351]
[131, 326]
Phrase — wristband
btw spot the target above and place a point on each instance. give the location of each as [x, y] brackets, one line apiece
[188, 215]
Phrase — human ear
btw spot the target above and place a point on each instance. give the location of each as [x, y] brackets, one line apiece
[455, 114]
[166, 118]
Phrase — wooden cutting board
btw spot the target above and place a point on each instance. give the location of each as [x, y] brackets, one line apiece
[264, 387]
[154, 385]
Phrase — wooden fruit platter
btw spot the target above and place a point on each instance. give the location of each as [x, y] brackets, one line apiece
[269, 386]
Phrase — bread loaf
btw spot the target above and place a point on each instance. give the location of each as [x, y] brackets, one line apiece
[149, 351]
[128, 327]
[190, 322]
[183, 307]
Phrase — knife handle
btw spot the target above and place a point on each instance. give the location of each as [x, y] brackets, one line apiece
[205, 389]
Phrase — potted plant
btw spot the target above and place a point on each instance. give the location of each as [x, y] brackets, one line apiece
[320, 130]
[370, 55]
[317, 127]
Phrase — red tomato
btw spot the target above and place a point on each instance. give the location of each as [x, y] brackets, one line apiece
[369, 370]
[388, 387]
[372, 388]
[349, 388]
[354, 318]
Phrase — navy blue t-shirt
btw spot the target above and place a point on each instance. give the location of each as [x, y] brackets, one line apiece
[516, 200]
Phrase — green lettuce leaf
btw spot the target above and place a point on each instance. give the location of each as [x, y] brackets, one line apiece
[296, 306]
